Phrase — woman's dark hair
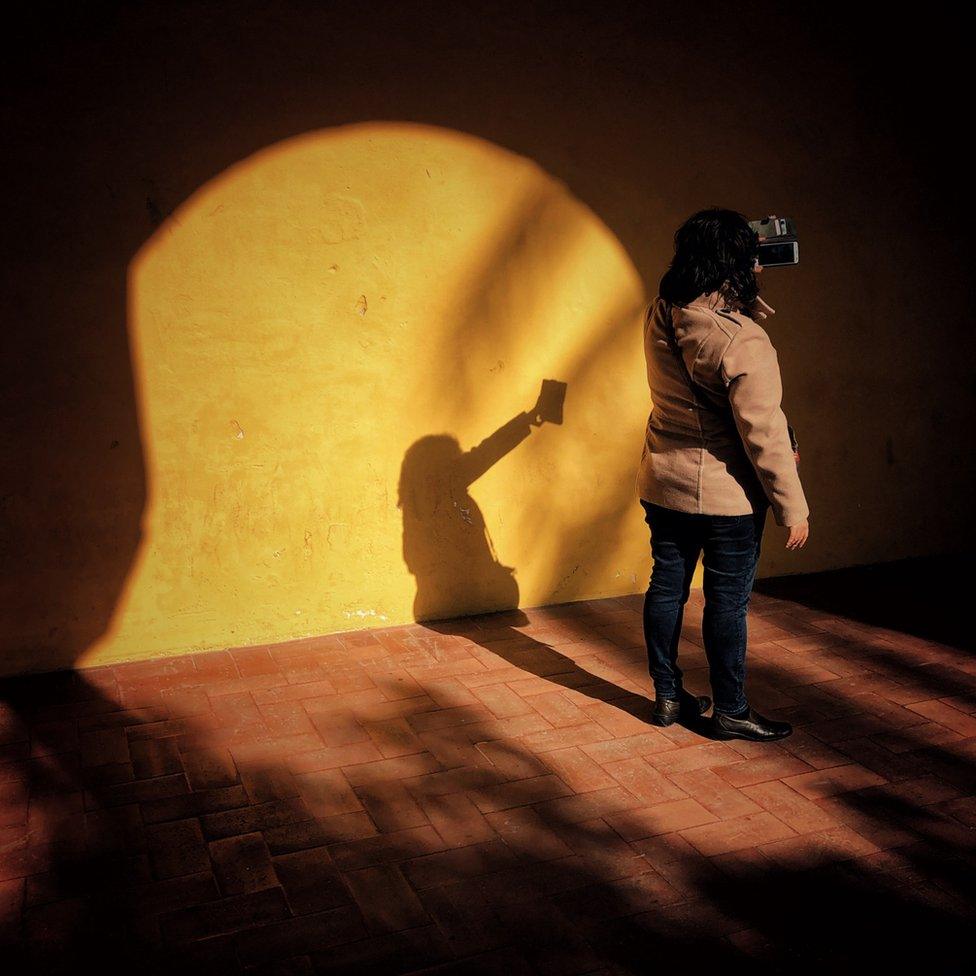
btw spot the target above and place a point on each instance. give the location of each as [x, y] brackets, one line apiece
[712, 248]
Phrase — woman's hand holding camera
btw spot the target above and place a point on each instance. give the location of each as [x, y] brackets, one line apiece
[758, 309]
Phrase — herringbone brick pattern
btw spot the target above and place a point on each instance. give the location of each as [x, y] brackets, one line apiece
[487, 796]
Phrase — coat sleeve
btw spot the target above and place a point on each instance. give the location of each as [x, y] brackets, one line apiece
[750, 372]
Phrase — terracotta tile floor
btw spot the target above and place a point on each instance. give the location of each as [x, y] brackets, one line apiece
[487, 796]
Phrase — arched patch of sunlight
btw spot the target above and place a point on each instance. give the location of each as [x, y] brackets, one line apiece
[326, 330]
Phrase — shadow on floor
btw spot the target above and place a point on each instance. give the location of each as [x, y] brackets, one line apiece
[927, 596]
[477, 796]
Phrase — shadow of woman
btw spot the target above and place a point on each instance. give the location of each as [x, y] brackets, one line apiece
[446, 543]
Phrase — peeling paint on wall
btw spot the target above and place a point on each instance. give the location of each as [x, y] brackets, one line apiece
[365, 613]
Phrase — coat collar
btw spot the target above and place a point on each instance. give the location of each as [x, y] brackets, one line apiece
[712, 300]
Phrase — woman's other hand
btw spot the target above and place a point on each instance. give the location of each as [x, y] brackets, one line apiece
[798, 535]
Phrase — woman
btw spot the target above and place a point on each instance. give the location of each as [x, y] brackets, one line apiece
[717, 455]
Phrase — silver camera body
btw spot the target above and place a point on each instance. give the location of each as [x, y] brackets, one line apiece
[778, 244]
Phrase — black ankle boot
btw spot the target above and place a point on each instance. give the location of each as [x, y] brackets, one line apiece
[752, 726]
[667, 711]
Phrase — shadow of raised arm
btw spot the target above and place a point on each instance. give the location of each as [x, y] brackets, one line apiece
[474, 463]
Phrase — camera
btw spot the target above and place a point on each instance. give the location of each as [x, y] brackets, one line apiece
[778, 245]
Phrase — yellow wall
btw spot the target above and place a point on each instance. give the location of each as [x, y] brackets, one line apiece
[270, 275]
[313, 332]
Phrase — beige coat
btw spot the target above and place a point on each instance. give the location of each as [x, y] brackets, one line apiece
[721, 447]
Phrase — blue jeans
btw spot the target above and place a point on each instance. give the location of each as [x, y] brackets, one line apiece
[731, 545]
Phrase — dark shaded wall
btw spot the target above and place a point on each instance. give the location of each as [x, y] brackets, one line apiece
[114, 115]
